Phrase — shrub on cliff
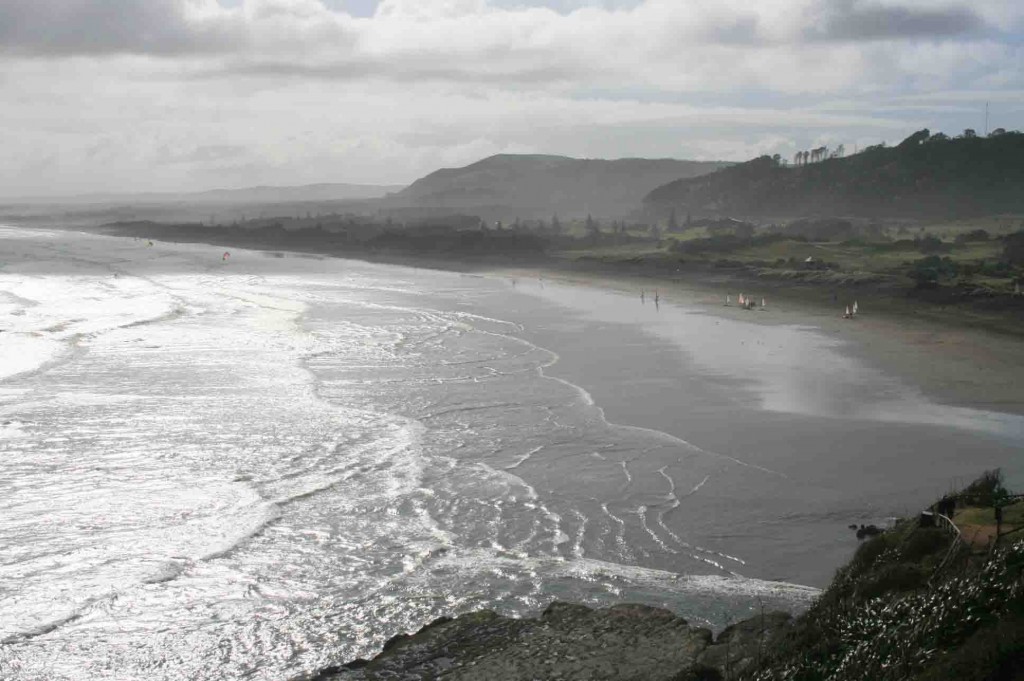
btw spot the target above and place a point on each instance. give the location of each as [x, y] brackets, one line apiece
[890, 615]
[971, 620]
[988, 490]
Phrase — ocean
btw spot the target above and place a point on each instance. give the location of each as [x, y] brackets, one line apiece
[248, 464]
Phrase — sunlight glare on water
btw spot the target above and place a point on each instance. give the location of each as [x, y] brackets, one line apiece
[260, 467]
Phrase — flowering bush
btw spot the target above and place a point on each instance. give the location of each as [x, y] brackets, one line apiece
[914, 634]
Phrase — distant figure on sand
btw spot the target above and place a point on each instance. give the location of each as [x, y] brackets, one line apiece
[642, 296]
[655, 297]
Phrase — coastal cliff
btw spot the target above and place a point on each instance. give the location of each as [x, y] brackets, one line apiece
[925, 600]
[570, 641]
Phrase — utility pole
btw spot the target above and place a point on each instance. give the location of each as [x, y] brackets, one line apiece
[986, 119]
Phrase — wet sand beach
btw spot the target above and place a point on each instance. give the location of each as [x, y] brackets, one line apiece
[956, 363]
[825, 433]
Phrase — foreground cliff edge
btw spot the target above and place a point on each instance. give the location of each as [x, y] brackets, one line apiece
[940, 596]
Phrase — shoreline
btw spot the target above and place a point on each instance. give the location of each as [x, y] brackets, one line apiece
[690, 294]
[954, 355]
[952, 365]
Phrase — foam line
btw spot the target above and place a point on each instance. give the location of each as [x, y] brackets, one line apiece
[697, 487]
[625, 472]
[577, 549]
[524, 458]
[641, 512]
[588, 399]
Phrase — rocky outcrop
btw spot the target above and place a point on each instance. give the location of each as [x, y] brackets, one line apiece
[634, 642]
[740, 647]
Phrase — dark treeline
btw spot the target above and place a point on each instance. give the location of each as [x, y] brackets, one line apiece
[351, 237]
[925, 176]
[455, 235]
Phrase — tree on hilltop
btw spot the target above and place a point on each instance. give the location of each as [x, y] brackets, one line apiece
[916, 139]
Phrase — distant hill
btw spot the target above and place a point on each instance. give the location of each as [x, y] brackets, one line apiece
[537, 186]
[925, 176]
[337, 191]
[247, 195]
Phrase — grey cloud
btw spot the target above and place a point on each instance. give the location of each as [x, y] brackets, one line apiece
[411, 69]
[202, 154]
[742, 30]
[855, 20]
[96, 27]
[566, 6]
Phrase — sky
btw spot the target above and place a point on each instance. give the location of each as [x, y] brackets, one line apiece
[183, 95]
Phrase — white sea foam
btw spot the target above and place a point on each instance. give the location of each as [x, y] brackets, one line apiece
[237, 456]
[524, 458]
[22, 353]
[641, 513]
[240, 353]
[637, 576]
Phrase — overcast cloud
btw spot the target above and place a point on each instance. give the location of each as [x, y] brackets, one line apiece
[140, 95]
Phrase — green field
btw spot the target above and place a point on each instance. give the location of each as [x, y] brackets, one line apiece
[1012, 515]
[901, 256]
